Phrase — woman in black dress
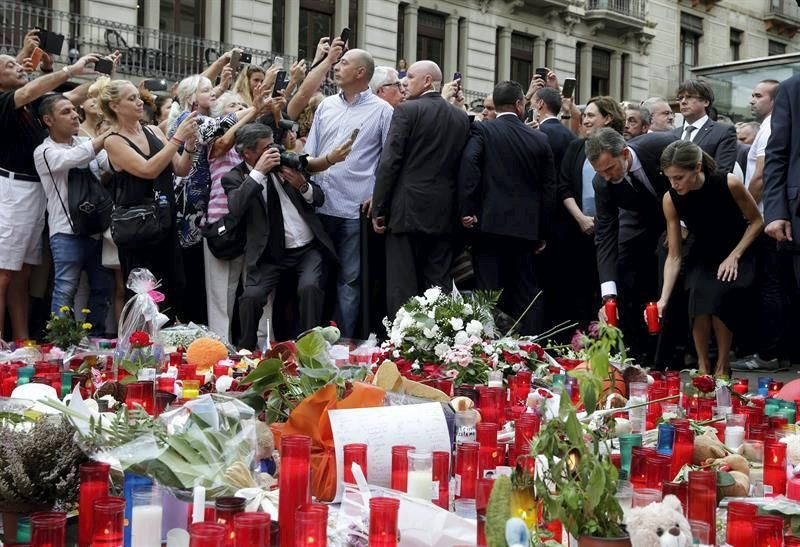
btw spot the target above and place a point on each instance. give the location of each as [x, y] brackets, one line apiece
[725, 221]
[144, 162]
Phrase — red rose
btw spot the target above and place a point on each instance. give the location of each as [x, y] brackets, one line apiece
[286, 352]
[704, 384]
[533, 349]
[403, 365]
[433, 371]
[140, 339]
[512, 358]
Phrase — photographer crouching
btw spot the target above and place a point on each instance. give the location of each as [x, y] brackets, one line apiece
[276, 204]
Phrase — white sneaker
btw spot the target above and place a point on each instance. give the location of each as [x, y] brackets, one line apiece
[748, 362]
[755, 362]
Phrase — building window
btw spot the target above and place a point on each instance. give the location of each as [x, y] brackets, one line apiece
[736, 44]
[182, 17]
[521, 59]
[601, 72]
[352, 21]
[278, 17]
[430, 37]
[316, 21]
[401, 32]
[691, 31]
[776, 48]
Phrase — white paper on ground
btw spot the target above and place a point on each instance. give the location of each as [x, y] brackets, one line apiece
[423, 524]
[422, 426]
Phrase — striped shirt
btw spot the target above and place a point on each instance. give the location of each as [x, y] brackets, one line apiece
[348, 184]
[218, 199]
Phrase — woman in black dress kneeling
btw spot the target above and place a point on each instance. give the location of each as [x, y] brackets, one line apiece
[724, 219]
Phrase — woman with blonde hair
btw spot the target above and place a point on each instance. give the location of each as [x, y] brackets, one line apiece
[143, 162]
[719, 264]
[250, 77]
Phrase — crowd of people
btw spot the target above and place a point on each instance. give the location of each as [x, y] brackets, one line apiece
[261, 203]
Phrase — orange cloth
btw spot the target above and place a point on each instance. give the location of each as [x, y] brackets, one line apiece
[310, 418]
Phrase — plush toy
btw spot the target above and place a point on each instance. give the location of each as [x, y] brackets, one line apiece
[205, 353]
[708, 446]
[659, 525]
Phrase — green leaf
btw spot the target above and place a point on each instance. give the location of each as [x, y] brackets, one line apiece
[267, 370]
[128, 380]
[595, 488]
[311, 345]
[600, 363]
[324, 374]
[574, 430]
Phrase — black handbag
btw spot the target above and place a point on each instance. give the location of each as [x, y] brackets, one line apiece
[141, 225]
[225, 237]
[89, 202]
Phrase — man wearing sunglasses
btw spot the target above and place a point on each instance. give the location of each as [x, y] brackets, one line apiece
[386, 85]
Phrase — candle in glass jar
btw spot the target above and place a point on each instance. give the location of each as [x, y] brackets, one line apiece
[48, 529]
[208, 534]
[775, 467]
[466, 470]
[251, 529]
[740, 523]
[354, 453]
[146, 516]
[653, 320]
[441, 478]
[383, 522]
[107, 522]
[610, 307]
[420, 475]
[769, 531]
[311, 525]
[295, 485]
[400, 467]
[703, 499]
[93, 485]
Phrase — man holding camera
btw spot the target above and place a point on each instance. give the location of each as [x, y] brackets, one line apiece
[284, 234]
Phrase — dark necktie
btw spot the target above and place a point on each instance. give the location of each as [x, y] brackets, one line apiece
[275, 243]
[689, 130]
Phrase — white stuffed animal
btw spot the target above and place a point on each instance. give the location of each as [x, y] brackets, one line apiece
[659, 525]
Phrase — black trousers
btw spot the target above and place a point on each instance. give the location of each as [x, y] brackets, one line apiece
[306, 262]
[509, 263]
[415, 262]
[637, 272]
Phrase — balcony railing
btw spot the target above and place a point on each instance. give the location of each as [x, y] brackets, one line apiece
[784, 8]
[145, 52]
[630, 8]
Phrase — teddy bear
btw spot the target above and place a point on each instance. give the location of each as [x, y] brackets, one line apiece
[659, 525]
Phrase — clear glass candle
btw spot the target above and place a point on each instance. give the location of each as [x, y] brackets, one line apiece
[146, 517]
[420, 475]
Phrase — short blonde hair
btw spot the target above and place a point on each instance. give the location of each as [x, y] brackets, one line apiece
[107, 91]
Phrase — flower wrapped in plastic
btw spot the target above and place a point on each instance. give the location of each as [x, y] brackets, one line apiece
[192, 445]
[138, 336]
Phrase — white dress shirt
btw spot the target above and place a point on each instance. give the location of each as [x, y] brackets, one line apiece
[758, 149]
[296, 231]
[698, 124]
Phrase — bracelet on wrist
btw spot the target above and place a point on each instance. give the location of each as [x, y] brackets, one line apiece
[304, 188]
[566, 117]
[327, 159]
[176, 141]
[67, 71]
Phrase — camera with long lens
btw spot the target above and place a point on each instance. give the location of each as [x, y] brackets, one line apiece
[292, 160]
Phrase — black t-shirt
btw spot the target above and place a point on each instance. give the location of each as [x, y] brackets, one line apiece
[20, 133]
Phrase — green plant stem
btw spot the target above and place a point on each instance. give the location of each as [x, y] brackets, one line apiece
[535, 298]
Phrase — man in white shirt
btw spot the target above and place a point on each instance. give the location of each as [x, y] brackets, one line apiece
[73, 253]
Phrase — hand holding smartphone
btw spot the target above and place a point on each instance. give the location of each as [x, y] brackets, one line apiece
[236, 57]
[569, 88]
[36, 57]
[280, 83]
[105, 66]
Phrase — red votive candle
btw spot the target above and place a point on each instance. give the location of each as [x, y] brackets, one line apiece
[108, 522]
[441, 476]
[526, 428]
[251, 529]
[610, 307]
[769, 531]
[48, 529]
[791, 541]
[486, 436]
[383, 522]
[93, 485]
[682, 446]
[400, 467]
[651, 316]
[354, 453]
[657, 472]
[481, 502]
[311, 525]
[703, 499]
[678, 489]
[521, 388]
[639, 455]
[166, 383]
[489, 402]
[466, 470]
[175, 359]
[206, 534]
[775, 467]
[295, 485]
[740, 523]
[793, 489]
[673, 379]
[227, 508]
[134, 395]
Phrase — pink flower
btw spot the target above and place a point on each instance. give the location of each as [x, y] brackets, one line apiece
[577, 340]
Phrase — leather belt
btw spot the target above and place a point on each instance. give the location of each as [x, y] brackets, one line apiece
[18, 176]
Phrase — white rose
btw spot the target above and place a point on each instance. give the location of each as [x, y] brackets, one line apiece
[457, 323]
[474, 328]
[467, 309]
[440, 350]
[433, 294]
[415, 365]
[421, 300]
[461, 338]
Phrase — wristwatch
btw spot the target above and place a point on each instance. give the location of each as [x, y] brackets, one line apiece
[304, 188]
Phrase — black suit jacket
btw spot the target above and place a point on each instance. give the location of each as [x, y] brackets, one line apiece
[246, 202]
[559, 138]
[647, 216]
[507, 179]
[718, 141]
[415, 185]
[782, 162]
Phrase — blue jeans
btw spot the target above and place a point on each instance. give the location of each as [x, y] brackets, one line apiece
[346, 236]
[73, 254]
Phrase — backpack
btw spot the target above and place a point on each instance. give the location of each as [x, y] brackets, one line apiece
[89, 203]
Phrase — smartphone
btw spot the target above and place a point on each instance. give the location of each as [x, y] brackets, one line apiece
[301, 55]
[155, 85]
[236, 57]
[278, 61]
[280, 83]
[569, 87]
[542, 73]
[354, 134]
[247, 58]
[457, 78]
[36, 57]
[345, 35]
[105, 66]
[50, 41]
[529, 116]
[195, 106]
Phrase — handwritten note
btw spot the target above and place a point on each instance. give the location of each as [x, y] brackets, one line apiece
[422, 426]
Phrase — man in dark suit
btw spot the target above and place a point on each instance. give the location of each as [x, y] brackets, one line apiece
[283, 232]
[415, 189]
[506, 169]
[782, 171]
[546, 102]
[628, 178]
[695, 98]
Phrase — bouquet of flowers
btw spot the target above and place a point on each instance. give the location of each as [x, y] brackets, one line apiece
[64, 330]
[141, 353]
